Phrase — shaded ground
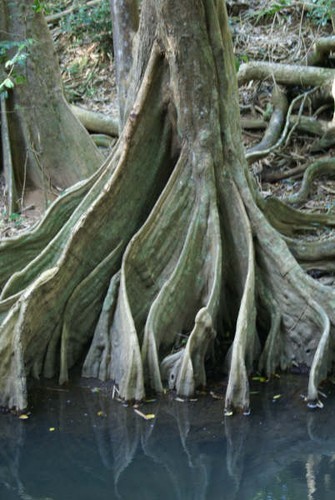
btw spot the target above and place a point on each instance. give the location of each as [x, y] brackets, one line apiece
[286, 36]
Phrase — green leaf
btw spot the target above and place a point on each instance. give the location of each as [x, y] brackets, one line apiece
[8, 83]
[14, 216]
[19, 79]
[260, 379]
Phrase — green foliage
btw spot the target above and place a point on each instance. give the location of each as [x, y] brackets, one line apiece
[14, 217]
[13, 54]
[322, 11]
[40, 6]
[271, 9]
[240, 59]
[319, 11]
[92, 22]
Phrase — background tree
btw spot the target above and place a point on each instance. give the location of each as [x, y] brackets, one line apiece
[44, 145]
[172, 250]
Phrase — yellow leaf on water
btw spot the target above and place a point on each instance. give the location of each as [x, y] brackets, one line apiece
[146, 416]
[52, 429]
[260, 379]
[101, 413]
[23, 416]
[277, 396]
[216, 396]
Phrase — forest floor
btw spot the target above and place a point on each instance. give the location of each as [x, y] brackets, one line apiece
[274, 31]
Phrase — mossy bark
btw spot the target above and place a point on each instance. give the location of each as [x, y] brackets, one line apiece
[50, 149]
[172, 251]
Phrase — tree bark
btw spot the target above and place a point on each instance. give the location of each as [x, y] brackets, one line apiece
[125, 24]
[50, 149]
[171, 241]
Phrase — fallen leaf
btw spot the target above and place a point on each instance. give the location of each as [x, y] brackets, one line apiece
[52, 429]
[228, 413]
[148, 416]
[260, 379]
[216, 396]
[101, 413]
[277, 396]
[23, 416]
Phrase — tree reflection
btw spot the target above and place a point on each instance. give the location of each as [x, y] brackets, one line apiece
[101, 449]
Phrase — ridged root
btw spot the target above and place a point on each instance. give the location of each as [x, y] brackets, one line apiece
[169, 291]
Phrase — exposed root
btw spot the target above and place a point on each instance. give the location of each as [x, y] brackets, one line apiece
[165, 293]
[125, 366]
[72, 266]
[322, 48]
[321, 361]
[270, 356]
[274, 130]
[237, 395]
[81, 312]
[299, 339]
[96, 122]
[29, 245]
[172, 238]
[313, 254]
[290, 221]
[288, 74]
[97, 362]
[271, 145]
[103, 141]
[321, 167]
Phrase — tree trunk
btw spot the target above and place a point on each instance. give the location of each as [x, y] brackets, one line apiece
[172, 251]
[50, 149]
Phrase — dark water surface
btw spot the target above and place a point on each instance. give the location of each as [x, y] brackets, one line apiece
[79, 444]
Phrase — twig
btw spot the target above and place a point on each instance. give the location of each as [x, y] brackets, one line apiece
[255, 155]
[55, 17]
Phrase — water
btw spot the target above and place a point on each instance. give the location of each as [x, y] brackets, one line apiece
[81, 445]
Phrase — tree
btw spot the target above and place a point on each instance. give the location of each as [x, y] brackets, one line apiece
[169, 253]
[44, 145]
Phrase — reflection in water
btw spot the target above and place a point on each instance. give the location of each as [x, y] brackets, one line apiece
[80, 444]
